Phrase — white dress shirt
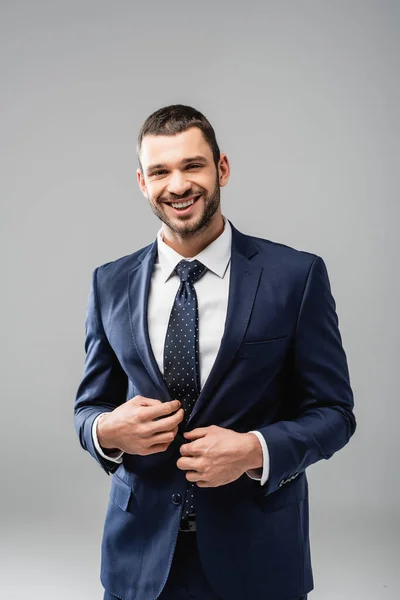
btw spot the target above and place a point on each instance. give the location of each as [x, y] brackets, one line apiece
[212, 291]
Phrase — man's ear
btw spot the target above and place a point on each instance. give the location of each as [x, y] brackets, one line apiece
[223, 170]
[141, 182]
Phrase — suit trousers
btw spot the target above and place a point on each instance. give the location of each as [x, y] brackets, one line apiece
[186, 579]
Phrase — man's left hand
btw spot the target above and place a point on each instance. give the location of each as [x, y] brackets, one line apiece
[216, 456]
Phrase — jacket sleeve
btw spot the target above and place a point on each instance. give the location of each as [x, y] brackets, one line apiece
[104, 383]
[323, 421]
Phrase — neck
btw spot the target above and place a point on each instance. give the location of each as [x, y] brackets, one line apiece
[192, 245]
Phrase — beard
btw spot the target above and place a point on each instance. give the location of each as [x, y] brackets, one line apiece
[189, 226]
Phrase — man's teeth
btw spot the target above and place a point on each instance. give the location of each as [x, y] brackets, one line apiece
[183, 204]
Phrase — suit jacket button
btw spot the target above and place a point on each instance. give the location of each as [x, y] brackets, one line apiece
[176, 499]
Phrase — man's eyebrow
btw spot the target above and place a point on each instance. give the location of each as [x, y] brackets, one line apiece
[198, 158]
[185, 161]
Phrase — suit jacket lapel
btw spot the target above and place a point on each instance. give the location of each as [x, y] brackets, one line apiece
[138, 293]
[244, 280]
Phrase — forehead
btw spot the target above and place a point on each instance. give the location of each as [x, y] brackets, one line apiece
[172, 149]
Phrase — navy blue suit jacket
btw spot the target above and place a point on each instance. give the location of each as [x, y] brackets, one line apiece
[281, 369]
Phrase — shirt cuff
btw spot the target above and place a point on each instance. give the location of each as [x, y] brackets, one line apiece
[261, 474]
[115, 456]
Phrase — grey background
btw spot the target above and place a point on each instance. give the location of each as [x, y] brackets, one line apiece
[304, 99]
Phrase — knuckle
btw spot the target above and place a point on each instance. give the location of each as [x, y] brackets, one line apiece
[139, 413]
[140, 430]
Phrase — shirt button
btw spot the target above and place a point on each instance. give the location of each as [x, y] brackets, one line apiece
[176, 499]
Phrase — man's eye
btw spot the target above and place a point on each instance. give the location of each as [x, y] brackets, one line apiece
[163, 171]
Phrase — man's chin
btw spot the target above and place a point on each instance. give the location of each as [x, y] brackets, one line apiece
[184, 225]
[187, 225]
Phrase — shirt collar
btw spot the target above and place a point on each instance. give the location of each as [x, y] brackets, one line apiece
[215, 256]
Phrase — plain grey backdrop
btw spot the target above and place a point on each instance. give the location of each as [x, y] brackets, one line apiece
[304, 98]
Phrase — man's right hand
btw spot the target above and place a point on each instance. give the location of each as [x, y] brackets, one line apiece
[140, 426]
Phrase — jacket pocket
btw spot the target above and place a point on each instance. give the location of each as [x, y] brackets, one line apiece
[263, 347]
[120, 493]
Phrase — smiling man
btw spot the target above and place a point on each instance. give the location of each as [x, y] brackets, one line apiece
[214, 376]
[183, 187]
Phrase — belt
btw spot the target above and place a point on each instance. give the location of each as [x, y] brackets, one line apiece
[188, 524]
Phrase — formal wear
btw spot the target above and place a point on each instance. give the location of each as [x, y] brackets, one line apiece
[212, 292]
[186, 578]
[280, 371]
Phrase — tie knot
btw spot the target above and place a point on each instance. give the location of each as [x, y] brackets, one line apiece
[190, 270]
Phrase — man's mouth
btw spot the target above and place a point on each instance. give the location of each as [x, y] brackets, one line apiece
[184, 205]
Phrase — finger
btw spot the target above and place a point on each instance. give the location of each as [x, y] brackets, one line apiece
[187, 464]
[196, 433]
[190, 449]
[165, 437]
[157, 448]
[193, 476]
[143, 401]
[162, 409]
[165, 424]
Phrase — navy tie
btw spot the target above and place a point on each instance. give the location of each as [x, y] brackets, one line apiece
[181, 351]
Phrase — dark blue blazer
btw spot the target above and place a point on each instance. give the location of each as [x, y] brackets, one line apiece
[281, 369]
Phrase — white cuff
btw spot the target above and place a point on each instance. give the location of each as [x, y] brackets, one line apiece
[116, 457]
[265, 468]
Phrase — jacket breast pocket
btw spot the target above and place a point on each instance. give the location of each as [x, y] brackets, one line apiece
[263, 348]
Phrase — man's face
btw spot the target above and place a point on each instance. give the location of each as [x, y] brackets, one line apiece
[177, 170]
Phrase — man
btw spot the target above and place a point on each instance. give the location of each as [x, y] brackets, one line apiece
[214, 376]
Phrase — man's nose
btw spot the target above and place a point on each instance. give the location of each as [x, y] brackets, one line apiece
[178, 184]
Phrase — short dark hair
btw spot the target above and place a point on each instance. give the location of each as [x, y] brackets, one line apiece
[174, 119]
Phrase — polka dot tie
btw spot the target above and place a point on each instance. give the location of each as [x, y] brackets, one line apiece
[181, 351]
